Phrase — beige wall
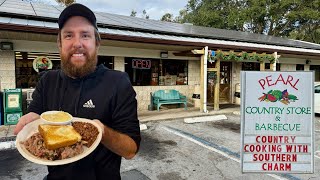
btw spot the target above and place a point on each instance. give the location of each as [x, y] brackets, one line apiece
[194, 72]
[287, 67]
[118, 63]
[236, 68]
[7, 70]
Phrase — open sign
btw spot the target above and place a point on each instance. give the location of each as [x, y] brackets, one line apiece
[141, 64]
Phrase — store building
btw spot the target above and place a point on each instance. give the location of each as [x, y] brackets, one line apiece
[156, 55]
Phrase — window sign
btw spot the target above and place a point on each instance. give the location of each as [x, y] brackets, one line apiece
[42, 62]
[154, 72]
[141, 64]
[277, 122]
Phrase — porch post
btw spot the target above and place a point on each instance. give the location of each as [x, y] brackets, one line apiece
[205, 79]
[262, 66]
[203, 83]
[274, 65]
[217, 86]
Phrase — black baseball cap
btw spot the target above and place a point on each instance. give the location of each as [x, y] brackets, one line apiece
[77, 9]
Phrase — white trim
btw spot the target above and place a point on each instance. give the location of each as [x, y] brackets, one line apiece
[206, 40]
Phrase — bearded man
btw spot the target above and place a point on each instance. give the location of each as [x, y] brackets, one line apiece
[86, 90]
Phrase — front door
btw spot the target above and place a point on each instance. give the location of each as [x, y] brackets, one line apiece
[225, 84]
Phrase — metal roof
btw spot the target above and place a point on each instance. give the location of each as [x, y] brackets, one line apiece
[193, 41]
[35, 14]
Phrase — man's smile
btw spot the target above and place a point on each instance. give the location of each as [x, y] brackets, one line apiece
[77, 55]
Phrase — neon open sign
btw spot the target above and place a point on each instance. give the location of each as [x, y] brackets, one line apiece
[141, 64]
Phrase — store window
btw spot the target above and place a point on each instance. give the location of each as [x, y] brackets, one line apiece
[106, 61]
[300, 67]
[316, 69]
[26, 71]
[27, 76]
[153, 72]
[250, 66]
[267, 66]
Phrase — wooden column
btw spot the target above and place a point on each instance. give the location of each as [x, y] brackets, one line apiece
[262, 66]
[273, 66]
[202, 84]
[202, 80]
[217, 87]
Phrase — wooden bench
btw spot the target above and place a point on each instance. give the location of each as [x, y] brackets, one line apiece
[168, 97]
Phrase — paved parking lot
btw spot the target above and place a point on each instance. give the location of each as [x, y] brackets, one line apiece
[210, 150]
[173, 150]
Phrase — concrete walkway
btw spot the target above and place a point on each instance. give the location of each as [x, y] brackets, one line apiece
[6, 132]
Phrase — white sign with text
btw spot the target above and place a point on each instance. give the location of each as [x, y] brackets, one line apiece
[277, 122]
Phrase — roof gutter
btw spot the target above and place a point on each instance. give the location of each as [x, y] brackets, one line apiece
[218, 44]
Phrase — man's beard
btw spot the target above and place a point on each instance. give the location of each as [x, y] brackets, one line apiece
[77, 72]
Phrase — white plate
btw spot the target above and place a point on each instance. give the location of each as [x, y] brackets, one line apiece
[32, 128]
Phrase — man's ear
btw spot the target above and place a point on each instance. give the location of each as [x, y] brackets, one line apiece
[98, 43]
[59, 45]
[98, 46]
[59, 41]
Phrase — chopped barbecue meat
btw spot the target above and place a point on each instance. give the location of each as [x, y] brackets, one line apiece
[35, 145]
[87, 131]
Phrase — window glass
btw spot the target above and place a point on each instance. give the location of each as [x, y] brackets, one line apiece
[174, 72]
[153, 72]
[316, 69]
[317, 89]
[27, 76]
[107, 61]
[250, 66]
[267, 66]
[300, 67]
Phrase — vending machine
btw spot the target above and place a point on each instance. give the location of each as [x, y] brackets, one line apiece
[12, 105]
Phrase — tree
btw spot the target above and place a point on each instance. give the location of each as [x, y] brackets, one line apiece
[181, 18]
[167, 17]
[144, 14]
[66, 2]
[298, 19]
[309, 33]
[214, 13]
[133, 13]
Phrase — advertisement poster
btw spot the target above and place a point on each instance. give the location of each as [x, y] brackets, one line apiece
[42, 62]
[277, 122]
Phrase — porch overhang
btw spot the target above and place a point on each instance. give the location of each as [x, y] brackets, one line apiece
[192, 42]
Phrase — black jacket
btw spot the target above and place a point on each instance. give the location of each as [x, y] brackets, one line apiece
[106, 95]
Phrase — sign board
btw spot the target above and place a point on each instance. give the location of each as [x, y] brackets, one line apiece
[141, 64]
[277, 122]
[42, 62]
[12, 99]
[12, 118]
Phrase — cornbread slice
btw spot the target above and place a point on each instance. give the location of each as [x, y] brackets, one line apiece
[57, 136]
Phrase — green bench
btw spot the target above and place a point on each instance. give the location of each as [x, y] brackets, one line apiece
[168, 97]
